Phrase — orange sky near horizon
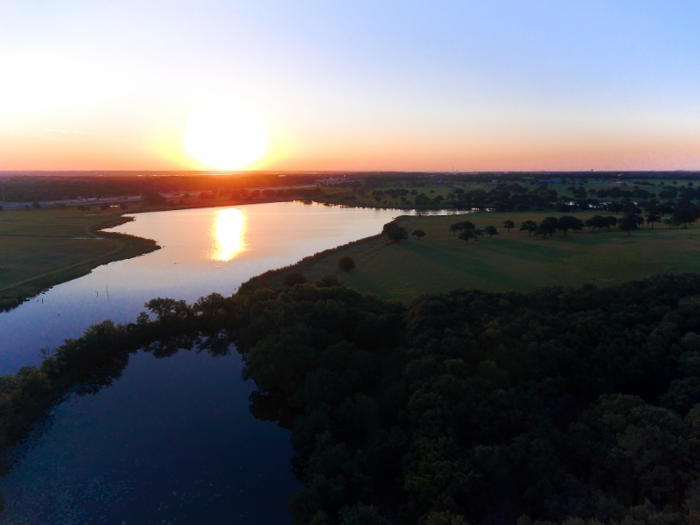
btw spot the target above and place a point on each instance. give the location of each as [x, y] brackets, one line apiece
[451, 86]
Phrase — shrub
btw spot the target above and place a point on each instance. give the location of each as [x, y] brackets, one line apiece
[295, 277]
[345, 264]
[328, 281]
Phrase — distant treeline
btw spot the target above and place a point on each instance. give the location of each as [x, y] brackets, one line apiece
[34, 189]
[515, 196]
[563, 405]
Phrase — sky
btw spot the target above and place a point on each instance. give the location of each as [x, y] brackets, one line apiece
[362, 85]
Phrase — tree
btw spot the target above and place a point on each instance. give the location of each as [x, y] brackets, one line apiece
[462, 226]
[490, 231]
[345, 264]
[652, 218]
[547, 227]
[597, 221]
[394, 232]
[104, 206]
[123, 206]
[529, 227]
[418, 234]
[36, 205]
[567, 222]
[652, 206]
[629, 222]
[152, 197]
[685, 215]
[610, 221]
[469, 234]
[508, 225]
[292, 278]
[328, 281]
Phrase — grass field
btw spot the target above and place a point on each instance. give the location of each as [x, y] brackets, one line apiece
[42, 248]
[509, 261]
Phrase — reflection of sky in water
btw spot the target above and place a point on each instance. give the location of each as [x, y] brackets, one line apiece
[229, 227]
[171, 441]
[272, 236]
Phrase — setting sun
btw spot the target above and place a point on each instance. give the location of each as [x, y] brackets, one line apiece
[226, 133]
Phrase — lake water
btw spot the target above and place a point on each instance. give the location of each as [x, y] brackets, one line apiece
[171, 441]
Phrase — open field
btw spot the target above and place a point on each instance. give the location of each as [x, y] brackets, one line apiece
[509, 261]
[42, 248]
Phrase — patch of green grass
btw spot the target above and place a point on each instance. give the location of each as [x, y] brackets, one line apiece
[509, 261]
[42, 248]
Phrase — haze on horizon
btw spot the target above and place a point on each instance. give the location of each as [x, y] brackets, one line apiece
[503, 85]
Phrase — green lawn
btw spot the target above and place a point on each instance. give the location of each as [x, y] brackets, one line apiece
[509, 261]
[41, 248]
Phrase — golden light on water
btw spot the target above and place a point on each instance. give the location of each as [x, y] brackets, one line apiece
[227, 233]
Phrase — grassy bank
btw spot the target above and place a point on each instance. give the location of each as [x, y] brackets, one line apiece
[42, 248]
[48, 246]
[511, 261]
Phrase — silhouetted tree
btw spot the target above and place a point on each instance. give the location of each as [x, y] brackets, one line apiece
[547, 227]
[567, 222]
[152, 197]
[611, 221]
[345, 264]
[508, 225]
[490, 231]
[687, 214]
[629, 222]
[467, 234]
[292, 278]
[328, 281]
[394, 232]
[529, 227]
[597, 221]
[418, 234]
[653, 218]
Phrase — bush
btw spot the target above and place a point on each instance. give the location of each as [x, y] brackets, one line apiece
[328, 281]
[152, 197]
[345, 264]
[293, 278]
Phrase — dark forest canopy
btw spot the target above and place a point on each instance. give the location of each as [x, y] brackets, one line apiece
[465, 407]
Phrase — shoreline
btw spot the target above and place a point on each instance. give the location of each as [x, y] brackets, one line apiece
[128, 246]
[14, 294]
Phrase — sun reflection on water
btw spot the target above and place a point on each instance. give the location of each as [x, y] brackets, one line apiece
[227, 231]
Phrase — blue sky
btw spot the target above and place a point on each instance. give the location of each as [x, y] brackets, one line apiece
[503, 85]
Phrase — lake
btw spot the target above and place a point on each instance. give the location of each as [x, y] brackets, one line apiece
[172, 440]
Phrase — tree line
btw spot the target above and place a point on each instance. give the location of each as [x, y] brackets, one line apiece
[576, 406]
[549, 225]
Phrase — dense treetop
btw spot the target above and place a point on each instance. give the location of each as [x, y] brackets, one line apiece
[464, 407]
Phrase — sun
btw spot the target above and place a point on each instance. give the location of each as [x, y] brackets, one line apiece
[226, 133]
